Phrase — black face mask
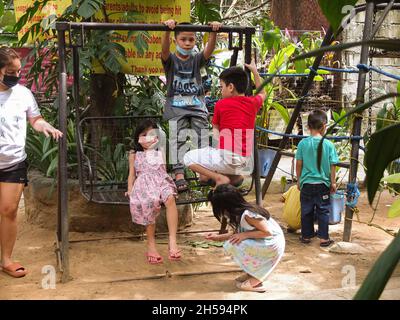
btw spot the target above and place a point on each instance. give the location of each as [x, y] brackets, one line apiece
[10, 81]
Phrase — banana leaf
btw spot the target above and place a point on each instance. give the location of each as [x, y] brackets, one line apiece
[383, 148]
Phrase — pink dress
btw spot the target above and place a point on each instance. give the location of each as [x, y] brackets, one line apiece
[152, 187]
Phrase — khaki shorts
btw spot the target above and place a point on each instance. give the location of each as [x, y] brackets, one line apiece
[220, 160]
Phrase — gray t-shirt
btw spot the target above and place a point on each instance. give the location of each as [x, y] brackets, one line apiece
[185, 93]
[17, 104]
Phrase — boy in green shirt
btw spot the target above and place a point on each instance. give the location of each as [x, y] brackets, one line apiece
[316, 185]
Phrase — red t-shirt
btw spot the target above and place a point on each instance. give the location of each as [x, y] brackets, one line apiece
[236, 117]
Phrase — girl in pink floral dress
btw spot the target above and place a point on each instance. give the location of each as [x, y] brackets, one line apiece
[150, 186]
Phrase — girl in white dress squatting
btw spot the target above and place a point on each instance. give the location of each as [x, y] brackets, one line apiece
[257, 245]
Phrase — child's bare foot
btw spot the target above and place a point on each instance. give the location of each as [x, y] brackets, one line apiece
[236, 181]
[221, 179]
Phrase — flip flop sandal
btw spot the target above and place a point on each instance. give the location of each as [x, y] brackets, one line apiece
[181, 185]
[246, 286]
[174, 255]
[153, 258]
[15, 270]
[305, 241]
[326, 243]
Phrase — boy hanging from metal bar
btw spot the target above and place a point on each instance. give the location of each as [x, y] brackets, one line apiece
[185, 106]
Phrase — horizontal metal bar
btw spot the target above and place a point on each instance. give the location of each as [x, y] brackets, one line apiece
[140, 236]
[147, 27]
[298, 136]
[292, 155]
[167, 275]
[178, 202]
[123, 117]
[200, 273]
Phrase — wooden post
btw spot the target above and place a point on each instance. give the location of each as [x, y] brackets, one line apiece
[355, 144]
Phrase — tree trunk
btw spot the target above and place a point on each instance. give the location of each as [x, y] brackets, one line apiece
[298, 15]
[104, 90]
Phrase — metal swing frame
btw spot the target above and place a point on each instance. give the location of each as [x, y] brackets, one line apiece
[369, 32]
[62, 234]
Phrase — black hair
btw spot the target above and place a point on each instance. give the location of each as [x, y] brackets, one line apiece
[227, 200]
[317, 119]
[176, 32]
[237, 76]
[7, 55]
[142, 126]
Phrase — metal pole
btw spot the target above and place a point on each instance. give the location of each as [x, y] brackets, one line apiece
[62, 158]
[249, 91]
[257, 177]
[75, 63]
[307, 85]
[382, 18]
[368, 25]
[146, 27]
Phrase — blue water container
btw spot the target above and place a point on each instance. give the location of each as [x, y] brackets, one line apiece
[266, 157]
[337, 207]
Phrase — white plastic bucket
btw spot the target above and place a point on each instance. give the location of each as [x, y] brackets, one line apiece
[337, 207]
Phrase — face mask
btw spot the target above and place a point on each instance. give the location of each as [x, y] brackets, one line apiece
[183, 51]
[148, 142]
[10, 81]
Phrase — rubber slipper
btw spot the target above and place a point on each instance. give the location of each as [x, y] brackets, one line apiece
[174, 255]
[153, 258]
[246, 286]
[305, 241]
[181, 185]
[326, 243]
[15, 270]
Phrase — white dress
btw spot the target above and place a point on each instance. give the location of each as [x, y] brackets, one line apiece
[258, 257]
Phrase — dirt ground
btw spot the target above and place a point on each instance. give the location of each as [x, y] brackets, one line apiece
[104, 269]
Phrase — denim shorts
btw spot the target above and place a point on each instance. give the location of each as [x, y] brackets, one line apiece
[17, 173]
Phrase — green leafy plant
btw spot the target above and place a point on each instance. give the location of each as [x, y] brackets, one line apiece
[205, 11]
[336, 10]
[143, 97]
[43, 151]
[7, 22]
[205, 244]
[112, 163]
[388, 115]
[393, 179]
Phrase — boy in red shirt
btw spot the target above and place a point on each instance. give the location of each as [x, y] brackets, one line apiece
[233, 128]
